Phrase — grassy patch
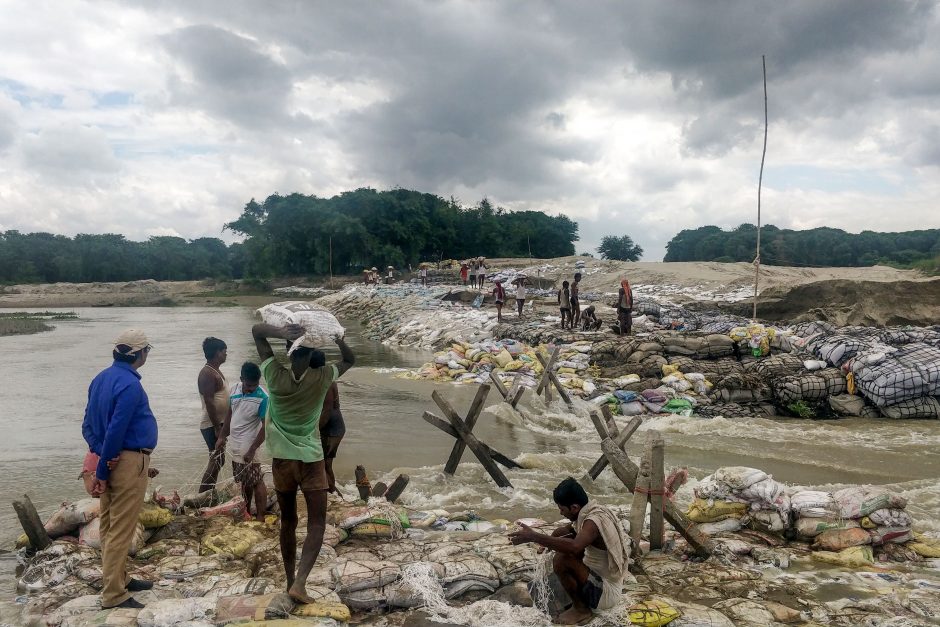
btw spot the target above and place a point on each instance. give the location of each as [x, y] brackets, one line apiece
[22, 326]
[39, 315]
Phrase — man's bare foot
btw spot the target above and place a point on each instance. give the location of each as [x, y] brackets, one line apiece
[574, 616]
[299, 594]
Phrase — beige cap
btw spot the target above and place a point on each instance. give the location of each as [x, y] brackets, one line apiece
[135, 338]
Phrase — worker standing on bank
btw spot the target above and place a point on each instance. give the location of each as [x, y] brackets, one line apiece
[625, 307]
[119, 424]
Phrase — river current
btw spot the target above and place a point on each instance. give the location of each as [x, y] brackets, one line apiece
[46, 377]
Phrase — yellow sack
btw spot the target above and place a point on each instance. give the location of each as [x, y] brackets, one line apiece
[701, 512]
[669, 369]
[850, 383]
[652, 613]
[235, 540]
[853, 557]
[514, 365]
[22, 541]
[153, 516]
[866, 523]
[502, 358]
[924, 546]
[279, 622]
[567, 371]
[324, 609]
[371, 530]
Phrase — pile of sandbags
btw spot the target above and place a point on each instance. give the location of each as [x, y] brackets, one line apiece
[711, 346]
[740, 387]
[743, 496]
[891, 377]
[809, 386]
[843, 525]
[774, 366]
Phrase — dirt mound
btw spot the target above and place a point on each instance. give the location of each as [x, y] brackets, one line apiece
[846, 302]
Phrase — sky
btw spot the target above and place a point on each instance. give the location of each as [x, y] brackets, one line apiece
[640, 118]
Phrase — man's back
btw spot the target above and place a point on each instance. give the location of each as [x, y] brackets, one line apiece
[295, 406]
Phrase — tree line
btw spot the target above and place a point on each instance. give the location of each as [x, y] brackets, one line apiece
[812, 247]
[293, 235]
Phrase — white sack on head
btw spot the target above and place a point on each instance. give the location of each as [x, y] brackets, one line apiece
[320, 325]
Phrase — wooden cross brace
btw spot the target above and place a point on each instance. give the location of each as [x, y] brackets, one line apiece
[461, 429]
[549, 378]
[607, 428]
[511, 395]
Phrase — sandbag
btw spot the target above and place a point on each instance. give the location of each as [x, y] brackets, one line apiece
[894, 535]
[924, 546]
[652, 613]
[70, 516]
[909, 372]
[814, 504]
[890, 518]
[153, 516]
[253, 607]
[727, 525]
[839, 539]
[847, 404]
[858, 501]
[322, 609]
[169, 612]
[354, 575]
[812, 527]
[235, 540]
[914, 408]
[320, 326]
[739, 477]
[701, 511]
[90, 535]
[235, 508]
[853, 557]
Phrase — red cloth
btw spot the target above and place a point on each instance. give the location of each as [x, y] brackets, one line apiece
[90, 464]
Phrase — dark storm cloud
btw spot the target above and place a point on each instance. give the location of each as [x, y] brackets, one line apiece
[229, 76]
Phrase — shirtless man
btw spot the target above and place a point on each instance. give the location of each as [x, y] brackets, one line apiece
[591, 555]
[214, 395]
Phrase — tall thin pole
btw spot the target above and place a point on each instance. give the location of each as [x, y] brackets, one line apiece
[760, 181]
[331, 262]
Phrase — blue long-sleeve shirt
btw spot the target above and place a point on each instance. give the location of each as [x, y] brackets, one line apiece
[117, 416]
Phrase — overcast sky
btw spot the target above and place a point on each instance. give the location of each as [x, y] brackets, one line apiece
[165, 118]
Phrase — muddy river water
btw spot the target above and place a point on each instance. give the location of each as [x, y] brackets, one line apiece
[45, 379]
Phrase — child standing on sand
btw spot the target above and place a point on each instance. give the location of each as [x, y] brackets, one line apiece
[564, 304]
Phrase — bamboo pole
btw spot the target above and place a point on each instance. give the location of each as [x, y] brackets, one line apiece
[760, 181]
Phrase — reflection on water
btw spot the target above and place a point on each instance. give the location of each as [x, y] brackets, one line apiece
[46, 378]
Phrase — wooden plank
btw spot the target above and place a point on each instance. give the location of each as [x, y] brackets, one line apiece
[444, 426]
[398, 486]
[657, 481]
[515, 398]
[32, 523]
[554, 380]
[379, 489]
[640, 499]
[627, 472]
[621, 441]
[460, 446]
[362, 483]
[599, 425]
[499, 384]
[477, 448]
[551, 364]
[612, 428]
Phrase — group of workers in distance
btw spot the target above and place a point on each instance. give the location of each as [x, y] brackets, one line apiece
[569, 304]
[297, 418]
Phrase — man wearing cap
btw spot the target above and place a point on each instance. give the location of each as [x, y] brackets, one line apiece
[292, 435]
[119, 424]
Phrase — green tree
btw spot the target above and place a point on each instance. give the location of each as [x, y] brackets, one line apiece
[621, 248]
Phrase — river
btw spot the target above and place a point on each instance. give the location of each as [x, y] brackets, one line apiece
[46, 378]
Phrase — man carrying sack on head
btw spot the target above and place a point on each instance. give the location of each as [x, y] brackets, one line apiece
[120, 425]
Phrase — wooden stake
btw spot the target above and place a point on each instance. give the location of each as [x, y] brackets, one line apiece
[362, 483]
[475, 408]
[477, 448]
[657, 483]
[551, 364]
[627, 472]
[379, 489]
[32, 523]
[499, 384]
[519, 391]
[444, 426]
[640, 499]
[621, 441]
[553, 378]
[398, 486]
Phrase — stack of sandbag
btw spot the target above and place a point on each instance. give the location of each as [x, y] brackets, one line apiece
[745, 496]
[740, 387]
[711, 346]
[320, 326]
[809, 386]
[843, 525]
[891, 378]
[379, 519]
[753, 339]
[775, 366]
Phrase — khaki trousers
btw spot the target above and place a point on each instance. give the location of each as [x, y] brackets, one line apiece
[120, 509]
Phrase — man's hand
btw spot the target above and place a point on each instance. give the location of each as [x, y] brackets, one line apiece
[524, 535]
[220, 445]
[249, 456]
[99, 487]
[112, 464]
[152, 472]
[294, 332]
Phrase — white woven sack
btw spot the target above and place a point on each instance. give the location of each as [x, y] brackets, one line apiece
[739, 477]
[320, 325]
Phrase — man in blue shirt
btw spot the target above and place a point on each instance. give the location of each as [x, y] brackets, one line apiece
[119, 424]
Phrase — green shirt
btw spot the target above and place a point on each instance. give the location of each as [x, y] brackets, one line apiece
[292, 430]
